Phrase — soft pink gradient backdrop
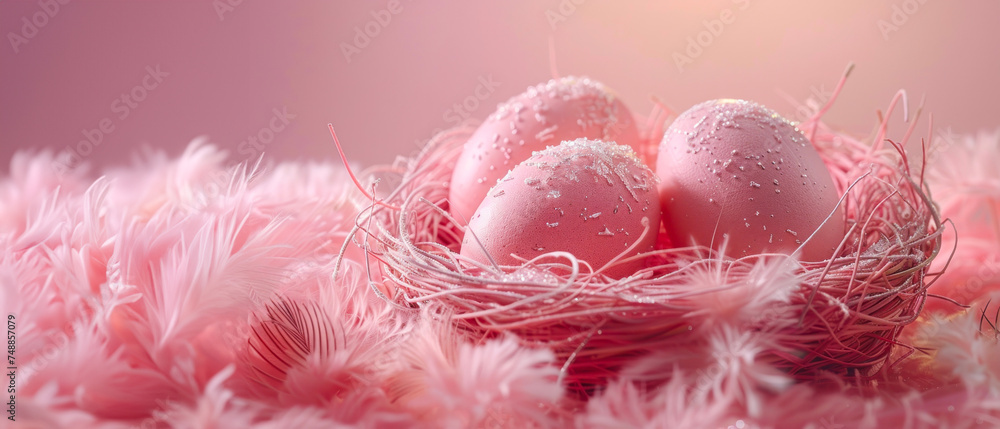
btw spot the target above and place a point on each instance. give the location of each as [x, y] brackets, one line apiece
[226, 75]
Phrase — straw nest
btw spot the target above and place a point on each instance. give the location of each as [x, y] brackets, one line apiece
[841, 316]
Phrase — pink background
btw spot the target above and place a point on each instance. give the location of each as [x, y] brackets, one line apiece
[228, 72]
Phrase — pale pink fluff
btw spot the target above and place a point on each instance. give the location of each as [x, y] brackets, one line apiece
[32, 183]
[963, 178]
[724, 372]
[138, 297]
[626, 404]
[756, 297]
[964, 354]
[86, 374]
[451, 382]
[141, 276]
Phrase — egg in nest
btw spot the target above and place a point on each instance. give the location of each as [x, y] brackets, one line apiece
[594, 199]
[734, 172]
[561, 109]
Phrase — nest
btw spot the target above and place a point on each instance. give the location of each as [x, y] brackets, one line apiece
[840, 316]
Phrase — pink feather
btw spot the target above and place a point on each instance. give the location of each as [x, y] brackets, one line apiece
[191, 293]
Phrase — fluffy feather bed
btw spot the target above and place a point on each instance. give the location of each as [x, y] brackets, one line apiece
[191, 293]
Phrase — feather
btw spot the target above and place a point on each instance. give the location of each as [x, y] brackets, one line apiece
[190, 293]
[88, 375]
[289, 335]
[962, 175]
[449, 382]
[757, 298]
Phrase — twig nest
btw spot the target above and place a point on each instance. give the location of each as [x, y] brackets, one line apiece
[841, 315]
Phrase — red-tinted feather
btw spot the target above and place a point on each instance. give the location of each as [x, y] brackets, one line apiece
[288, 334]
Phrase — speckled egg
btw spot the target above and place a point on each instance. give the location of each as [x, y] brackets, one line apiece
[547, 114]
[735, 171]
[587, 197]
